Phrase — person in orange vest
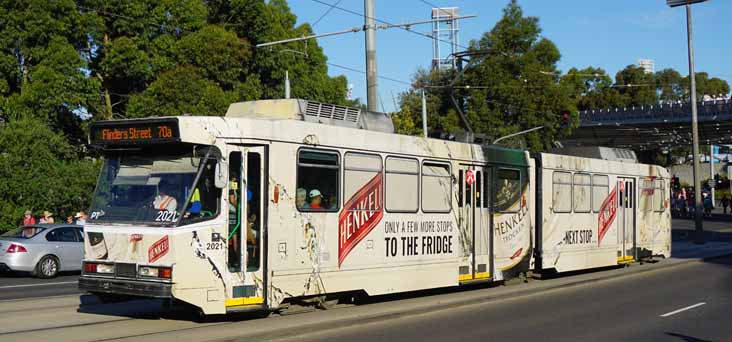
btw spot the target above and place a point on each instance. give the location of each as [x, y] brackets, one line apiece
[164, 201]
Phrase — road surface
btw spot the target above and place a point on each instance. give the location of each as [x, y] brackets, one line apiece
[688, 303]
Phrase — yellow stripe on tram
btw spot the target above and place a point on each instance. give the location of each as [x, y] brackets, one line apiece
[244, 301]
[627, 258]
[478, 276]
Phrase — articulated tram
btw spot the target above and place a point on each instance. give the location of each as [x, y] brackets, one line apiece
[289, 200]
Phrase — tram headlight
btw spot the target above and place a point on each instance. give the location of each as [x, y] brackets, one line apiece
[105, 268]
[154, 272]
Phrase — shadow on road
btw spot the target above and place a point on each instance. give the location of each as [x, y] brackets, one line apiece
[686, 338]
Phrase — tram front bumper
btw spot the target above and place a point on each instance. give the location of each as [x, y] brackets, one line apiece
[126, 287]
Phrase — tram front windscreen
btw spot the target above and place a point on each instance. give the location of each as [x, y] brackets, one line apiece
[156, 185]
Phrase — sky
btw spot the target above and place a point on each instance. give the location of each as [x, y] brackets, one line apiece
[598, 33]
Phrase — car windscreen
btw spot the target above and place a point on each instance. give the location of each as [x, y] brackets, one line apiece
[23, 232]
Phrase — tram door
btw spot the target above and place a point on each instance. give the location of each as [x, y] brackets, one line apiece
[626, 218]
[474, 205]
[245, 248]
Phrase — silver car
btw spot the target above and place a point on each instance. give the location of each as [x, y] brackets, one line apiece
[44, 249]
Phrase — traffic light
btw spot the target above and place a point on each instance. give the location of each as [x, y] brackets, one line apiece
[675, 183]
[565, 118]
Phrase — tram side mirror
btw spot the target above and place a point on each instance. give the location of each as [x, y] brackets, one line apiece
[220, 178]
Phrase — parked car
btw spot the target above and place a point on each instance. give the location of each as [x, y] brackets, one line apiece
[43, 249]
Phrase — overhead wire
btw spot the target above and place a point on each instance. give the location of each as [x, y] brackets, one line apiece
[330, 8]
[363, 15]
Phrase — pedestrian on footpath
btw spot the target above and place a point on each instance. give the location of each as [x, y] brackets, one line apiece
[725, 203]
[47, 218]
[28, 219]
[81, 218]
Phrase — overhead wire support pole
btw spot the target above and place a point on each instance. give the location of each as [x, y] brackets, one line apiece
[698, 204]
[372, 95]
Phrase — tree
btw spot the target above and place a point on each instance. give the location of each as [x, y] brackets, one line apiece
[669, 85]
[441, 113]
[40, 170]
[519, 88]
[706, 86]
[637, 87]
[591, 88]
[183, 90]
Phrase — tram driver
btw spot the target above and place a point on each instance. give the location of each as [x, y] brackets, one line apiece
[164, 201]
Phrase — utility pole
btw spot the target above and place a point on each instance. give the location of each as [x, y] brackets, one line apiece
[370, 30]
[698, 209]
[424, 114]
[287, 84]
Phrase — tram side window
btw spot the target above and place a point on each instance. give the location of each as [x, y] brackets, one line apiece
[205, 197]
[562, 192]
[647, 196]
[359, 170]
[508, 194]
[600, 185]
[317, 181]
[402, 185]
[659, 195]
[581, 193]
[436, 188]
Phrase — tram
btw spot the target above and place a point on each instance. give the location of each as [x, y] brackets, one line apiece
[288, 200]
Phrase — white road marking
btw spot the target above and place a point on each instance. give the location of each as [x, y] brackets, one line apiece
[43, 284]
[683, 309]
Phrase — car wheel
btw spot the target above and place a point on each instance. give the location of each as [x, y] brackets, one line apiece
[47, 267]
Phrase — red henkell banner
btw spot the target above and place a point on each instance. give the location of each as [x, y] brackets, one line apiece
[608, 210]
[359, 216]
[158, 249]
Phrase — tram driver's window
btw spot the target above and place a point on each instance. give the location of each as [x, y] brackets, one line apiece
[317, 181]
[204, 197]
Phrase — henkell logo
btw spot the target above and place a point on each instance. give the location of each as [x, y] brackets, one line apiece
[359, 216]
[608, 210]
[158, 249]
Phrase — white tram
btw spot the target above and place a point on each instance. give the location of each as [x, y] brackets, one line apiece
[285, 200]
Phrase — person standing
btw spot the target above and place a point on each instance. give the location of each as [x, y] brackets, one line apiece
[80, 218]
[47, 218]
[28, 219]
[725, 203]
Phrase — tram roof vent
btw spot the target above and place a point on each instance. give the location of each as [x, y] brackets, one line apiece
[311, 111]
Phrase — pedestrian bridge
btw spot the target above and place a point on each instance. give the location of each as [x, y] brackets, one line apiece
[654, 127]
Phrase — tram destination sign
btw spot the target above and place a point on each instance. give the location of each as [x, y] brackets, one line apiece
[134, 132]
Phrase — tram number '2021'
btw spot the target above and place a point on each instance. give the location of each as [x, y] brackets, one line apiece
[166, 216]
[214, 245]
[418, 245]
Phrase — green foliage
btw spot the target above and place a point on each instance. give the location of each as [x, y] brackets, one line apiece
[512, 88]
[183, 90]
[40, 170]
[65, 61]
[515, 86]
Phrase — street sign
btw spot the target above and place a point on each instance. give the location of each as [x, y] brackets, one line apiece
[674, 3]
[470, 177]
[711, 183]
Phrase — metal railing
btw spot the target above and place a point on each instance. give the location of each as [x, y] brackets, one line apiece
[663, 113]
